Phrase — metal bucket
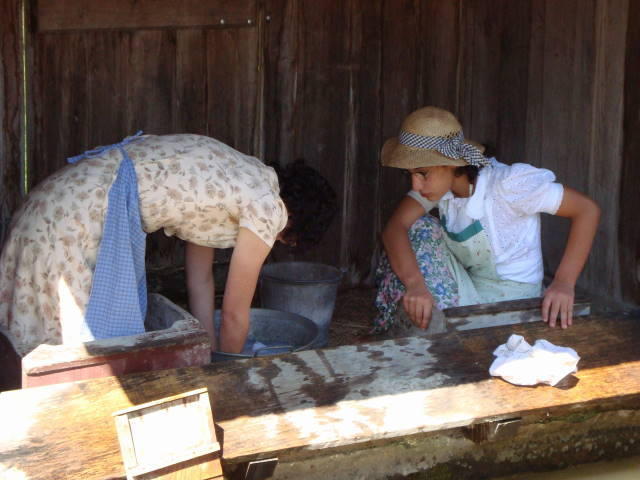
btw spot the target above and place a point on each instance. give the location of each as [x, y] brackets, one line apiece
[280, 332]
[306, 288]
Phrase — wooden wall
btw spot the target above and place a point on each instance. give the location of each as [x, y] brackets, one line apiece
[546, 82]
[629, 193]
[11, 99]
[542, 81]
[101, 74]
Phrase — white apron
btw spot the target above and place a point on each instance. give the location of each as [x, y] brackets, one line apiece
[471, 261]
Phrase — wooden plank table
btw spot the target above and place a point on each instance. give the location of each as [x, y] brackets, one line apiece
[320, 399]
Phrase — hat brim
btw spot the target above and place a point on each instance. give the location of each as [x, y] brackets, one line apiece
[396, 155]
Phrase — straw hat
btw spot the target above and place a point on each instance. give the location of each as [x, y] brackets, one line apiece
[431, 137]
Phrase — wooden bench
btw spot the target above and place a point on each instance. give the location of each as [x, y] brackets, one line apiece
[373, 410]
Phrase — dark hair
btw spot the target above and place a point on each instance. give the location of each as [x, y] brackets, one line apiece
[471, 171]
[311, 203]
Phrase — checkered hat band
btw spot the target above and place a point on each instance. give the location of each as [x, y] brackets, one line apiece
[451, 146]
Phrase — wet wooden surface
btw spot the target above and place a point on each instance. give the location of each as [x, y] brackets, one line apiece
[320, 399]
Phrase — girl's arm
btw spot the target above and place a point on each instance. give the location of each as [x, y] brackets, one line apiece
[418, 301]
[584, 214]
[248, 256]
[200, 287]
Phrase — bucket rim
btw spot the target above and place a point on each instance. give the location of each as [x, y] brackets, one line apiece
[336, 278]
[258, 310]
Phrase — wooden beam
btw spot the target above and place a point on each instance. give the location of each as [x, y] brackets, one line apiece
[61, 15]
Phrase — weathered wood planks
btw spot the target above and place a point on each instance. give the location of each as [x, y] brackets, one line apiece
[316, 400]
[173, 339]
[629, 198]
[543, 80]
[12, 97]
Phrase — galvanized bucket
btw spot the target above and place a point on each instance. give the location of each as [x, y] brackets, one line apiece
[279, 332]
[306, 288]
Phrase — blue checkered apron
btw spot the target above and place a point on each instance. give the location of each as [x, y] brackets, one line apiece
[118, 301]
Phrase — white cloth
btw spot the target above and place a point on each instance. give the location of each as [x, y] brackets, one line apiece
[522, 364]
[507, 201]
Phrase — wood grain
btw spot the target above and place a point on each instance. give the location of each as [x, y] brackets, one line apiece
[606, 158]
[62, 97]
[11, 110]
[400, 49]
[323, 399]
[123, 14]
[232, 80]
[360, 224]
[330, 81]
[629, 227]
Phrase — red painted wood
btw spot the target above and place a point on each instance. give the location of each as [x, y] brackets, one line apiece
[134, 361]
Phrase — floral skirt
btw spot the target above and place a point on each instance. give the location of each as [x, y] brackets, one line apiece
[426, 237]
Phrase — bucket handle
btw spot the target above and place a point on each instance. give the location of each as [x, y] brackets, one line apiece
[273, 347]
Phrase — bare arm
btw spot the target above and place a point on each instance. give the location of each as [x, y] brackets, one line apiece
[247, 259]
[585, 215]
[200, 286]
[417, 301]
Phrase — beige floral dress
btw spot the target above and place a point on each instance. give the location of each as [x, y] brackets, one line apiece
[195, 187]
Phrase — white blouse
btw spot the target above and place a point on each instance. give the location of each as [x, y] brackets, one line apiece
[507, 201]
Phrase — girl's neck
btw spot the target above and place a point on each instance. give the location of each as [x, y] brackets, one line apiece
[461, 187]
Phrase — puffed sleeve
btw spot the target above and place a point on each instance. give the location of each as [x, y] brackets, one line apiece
[265, 216]
[529, 190]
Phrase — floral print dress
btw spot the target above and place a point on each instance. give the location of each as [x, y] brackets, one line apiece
[194, 187]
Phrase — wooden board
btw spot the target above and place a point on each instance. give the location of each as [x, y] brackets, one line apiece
[504, 313]
[322, 399]
[175, 339]
[359, 225]
[11, 112]
[494, 74]
[232, 86]
[567, 105]
[629, 227]
[61, 99]
[170, 439]
[124, 14]
[95, 87]
[399, 91]
[606, 158]
[439, 54]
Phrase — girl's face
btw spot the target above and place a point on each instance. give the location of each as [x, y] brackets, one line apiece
[432, 182]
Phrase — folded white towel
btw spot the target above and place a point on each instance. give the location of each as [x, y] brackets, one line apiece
[522, 364]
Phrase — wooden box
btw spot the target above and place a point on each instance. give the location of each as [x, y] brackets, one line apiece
[169, 439]
[173, 339]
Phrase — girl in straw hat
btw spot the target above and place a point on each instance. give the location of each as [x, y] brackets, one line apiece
[486, 245]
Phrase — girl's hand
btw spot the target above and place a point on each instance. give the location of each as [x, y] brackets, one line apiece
[558, 301]
[418, 303]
